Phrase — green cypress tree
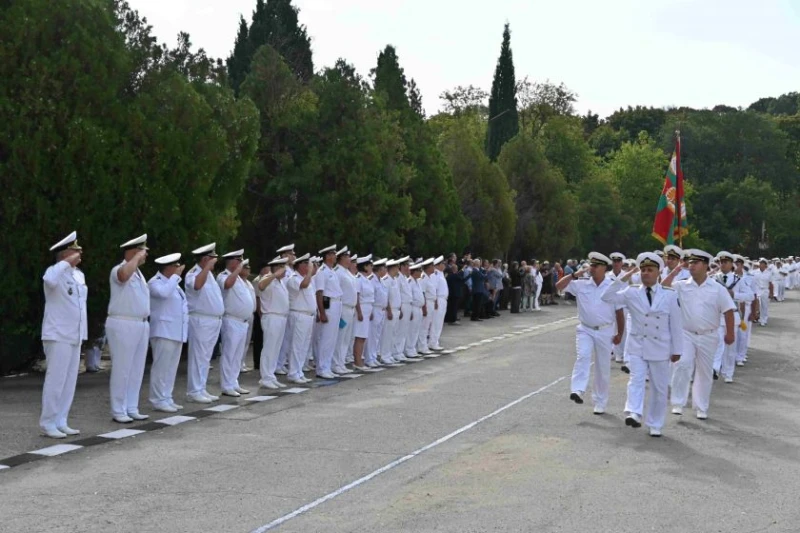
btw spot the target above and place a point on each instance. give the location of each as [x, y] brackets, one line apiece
[239, 61]
[503, 119]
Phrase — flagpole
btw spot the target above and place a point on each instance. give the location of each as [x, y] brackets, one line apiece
[679, 188]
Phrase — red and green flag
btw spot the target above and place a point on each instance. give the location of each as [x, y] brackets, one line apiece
[668, 226]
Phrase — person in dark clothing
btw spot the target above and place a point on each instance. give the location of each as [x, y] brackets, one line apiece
[479, 291]
[456, 287]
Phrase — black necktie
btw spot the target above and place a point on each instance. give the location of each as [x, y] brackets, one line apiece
[725, 279]
[650, 295]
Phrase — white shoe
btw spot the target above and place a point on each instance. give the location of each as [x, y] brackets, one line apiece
[702, 415]
[279, 384]
[68, 430]
[307, 368]
[677, 410]
[399, 358]
[372, 364]
[388, 360]
[268, 385]
[599, 410]
[655, 432]
[306, 380]
[245, 369]
[231, 393]
[298, 381]
[739, 363]
[342, 371]
[281, 371]
[242, 391]
[165, 409]
[54, 434]
[210, 396]
[728, 380]
[327, 375]
[176, 406]
[122, 419]
[360, 368]
[198, 398]
[436, 348]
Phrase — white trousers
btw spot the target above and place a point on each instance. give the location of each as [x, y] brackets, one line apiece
[232, 344]
[401, 331]
[373, 344]
[63, 360]
[166, 357]
[780, 290]
[426, 332]
[437, 322]
[250, 326]
[725, 355]
[697, 357]
[203, 335]
[743, 337]
[763, 305]
[127, 342]
[299, 326]
[326, 337]
[538, 294]
[413, 331]
[657, 393]
[344, 338]
[388, 333]
[593, 345]
[283, 354]
[619, 349]
[274, 327]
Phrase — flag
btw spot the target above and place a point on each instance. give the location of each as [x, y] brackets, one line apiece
[668, 227]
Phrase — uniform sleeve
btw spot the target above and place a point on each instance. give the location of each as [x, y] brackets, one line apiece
[616, 293]
[53, 273]
[675, 325]
[724, 301]
[742, 292]
[573, 288]
[319, 281]
[221, 280]
[114, 278]
[162, 288]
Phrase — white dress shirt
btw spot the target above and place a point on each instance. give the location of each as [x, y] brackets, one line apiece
[238, 301]
[207, 300]
[327, 281]
[129, 299]
[169, 312]
[592, 310]
[349, 285]
[702, 305]
[65, 294]
[301, 300]
[275, 299]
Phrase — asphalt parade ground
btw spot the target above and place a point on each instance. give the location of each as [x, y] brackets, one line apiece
[481, 439]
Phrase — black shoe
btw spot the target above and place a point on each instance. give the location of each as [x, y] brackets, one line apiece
[625, 369]
[575, 397]
[716, 376]
[630, 421]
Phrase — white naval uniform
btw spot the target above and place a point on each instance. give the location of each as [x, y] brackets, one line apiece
[428, 286]
[344, 339]
[64, 327]
[169, 329]
[381, 295]
[327, 281]
[439, 310]
[302, 311]
[618, 351]
[274, 316]
[415, 325]
[779, 282]
[762, 281]
[250, 321]
[128, 333]
[390, 326]
[655, 334]
[701, 308]
[743, 337]
[205, 321]
[366, 301]
[402, 325]
[725, 356]
[239, 303]
[283, 356]
[594, 336]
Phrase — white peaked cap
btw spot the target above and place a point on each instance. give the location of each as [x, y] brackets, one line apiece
[671, 249]
[70, 241]
[331, 248]
[279, 261]
[246, 263]
[725, 255]
[651, 259]
[365, 259]
[303, 258]
[234, 254]
[208, 249]
[617, 255]
[427, 262]
[597, 257]
[137, 242]
[438, 260]
[168, 259]
[287, 248]
[415, 266]
[379, 262]
[699, 255]
[342, 251]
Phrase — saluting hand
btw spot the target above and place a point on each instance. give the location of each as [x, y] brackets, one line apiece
[140, 257]
[74, 259]
[180, 270]
[210, 264]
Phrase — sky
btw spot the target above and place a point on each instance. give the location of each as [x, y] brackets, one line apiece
[612, 53]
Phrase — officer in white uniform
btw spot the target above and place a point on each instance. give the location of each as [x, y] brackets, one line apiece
[381, 294]
[283, 358]
[419, 311]
[393, 311]
[274, 316]
[617, 263]
[64, 327]
[779, 279]
[655, 338]
[725, 356]
[245, 275]
[747, 306]
[128, 331]
[238, 302]
[169, 328]
[440, 307]
[595, 333]
[350, 312]
[206, 308]
[673, 256]
[703, 301]
[302, 310]
[366, 301]
[329, 313]
[427, 283]
[762, 278]
[403, 319]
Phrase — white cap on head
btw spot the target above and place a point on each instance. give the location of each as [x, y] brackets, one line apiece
[331, 248]
[674, 251]
[171, 259]
[696, 254]
[427, 262]
[236, 254]
[354, 257]
[303, 259]
[438, 260]
[617, 256]
[596, 258]
[245, 263]
[724, 255]
[287, 248]
[342, 251]
[738, 258]
[208, 249]
[365, 259]
[404, 259]
[392, 262]
[649, 259]
[379, 262]
[278, 261]
[68, 242]
[415, 266]
[139, 242]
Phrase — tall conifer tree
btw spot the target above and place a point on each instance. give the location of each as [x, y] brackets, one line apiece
[503, 119]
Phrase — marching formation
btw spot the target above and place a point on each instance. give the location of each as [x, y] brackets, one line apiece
[678, 319]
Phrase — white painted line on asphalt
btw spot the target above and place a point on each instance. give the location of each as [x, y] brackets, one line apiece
[350, 486]
[221, 408]
[58, 449]
[4, 467]
[260, 398]
[461, 348]
[175, 420]
[346, 376]
[377, 369]
[298, 390]
[432, 356]
[448, 352]
[122, 434]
